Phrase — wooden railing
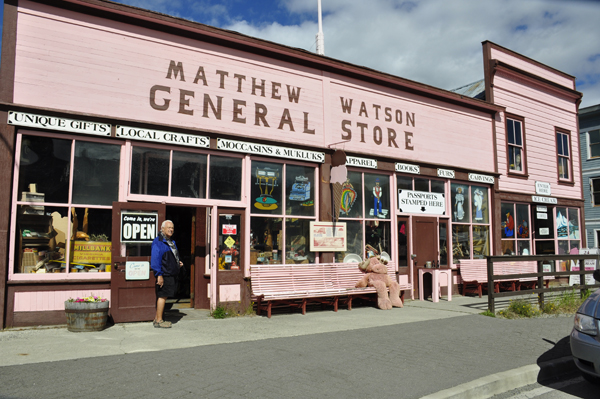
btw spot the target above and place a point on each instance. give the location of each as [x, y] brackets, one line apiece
[540, 290]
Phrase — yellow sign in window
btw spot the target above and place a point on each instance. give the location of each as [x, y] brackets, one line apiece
[91, 252]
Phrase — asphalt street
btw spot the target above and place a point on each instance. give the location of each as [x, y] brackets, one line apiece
[438, 349]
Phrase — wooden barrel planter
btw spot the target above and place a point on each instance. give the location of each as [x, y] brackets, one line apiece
[86, 316]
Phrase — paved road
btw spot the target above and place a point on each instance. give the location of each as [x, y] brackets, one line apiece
[412, 352]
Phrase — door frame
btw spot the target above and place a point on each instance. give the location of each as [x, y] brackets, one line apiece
[139, 309]
[228, 277]
[414, 262]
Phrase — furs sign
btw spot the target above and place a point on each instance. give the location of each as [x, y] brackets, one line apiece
[138, 227]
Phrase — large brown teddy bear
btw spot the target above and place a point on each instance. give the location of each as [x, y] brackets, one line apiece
[376, 276]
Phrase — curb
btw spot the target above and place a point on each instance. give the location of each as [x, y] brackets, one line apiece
[486, 387]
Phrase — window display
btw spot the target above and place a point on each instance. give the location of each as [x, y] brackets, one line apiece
[355, 248]
[225, 178]
[266, 190]
[229, 242]
[149, 171]
[188, 178]
[96, 173]
[266, 234]
[46, 163]
[460, 203]
[351, 201]
[377, 200]
[300, 190]
[461, 242]
[297, 241]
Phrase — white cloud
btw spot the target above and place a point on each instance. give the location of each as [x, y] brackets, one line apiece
[436, 42]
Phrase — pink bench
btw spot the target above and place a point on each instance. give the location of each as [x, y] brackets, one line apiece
[298, 284]
[474, 275]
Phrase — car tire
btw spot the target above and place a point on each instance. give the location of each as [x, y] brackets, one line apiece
[591, 379]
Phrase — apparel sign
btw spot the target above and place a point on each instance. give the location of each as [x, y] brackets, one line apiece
[270, 150]
[54, 123]
[421, 202]
[159, 136]
[361, 162]
[138, 227]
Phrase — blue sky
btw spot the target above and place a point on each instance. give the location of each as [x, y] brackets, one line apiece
[436, 42]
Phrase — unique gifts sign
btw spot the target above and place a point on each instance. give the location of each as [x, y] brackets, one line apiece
[138, 227]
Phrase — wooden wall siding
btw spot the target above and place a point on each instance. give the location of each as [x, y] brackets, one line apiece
[528, 66]
[543, 111]
[51, 300]
[436, 130]
[64, 57]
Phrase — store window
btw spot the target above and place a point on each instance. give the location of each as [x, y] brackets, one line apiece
[365, 208]
[594, 143]
[65, 191]
[515, 229]
[470, 221]
[515, 138]
[283, 205]
[171, 173]
[563, 149]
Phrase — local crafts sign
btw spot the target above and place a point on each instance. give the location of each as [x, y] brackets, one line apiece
[138, 227]
[421, 202]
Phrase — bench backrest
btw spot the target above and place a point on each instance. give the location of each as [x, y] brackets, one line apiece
[476, 269]
[272, 279]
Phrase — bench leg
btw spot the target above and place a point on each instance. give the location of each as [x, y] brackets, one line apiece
[335, 304]
[258, 305]
[350, 303]
[269, 309]
[479, 289]
[304, 306]
[402, 296]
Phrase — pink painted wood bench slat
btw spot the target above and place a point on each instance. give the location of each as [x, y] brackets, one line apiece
[474, 275]
[295, 285]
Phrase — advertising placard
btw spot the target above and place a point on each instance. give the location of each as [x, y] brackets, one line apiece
[328, 237]
[138, 227]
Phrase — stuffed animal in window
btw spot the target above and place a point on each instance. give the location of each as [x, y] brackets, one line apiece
[376, 276]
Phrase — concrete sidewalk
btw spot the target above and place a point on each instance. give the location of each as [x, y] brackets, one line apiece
[522, 350]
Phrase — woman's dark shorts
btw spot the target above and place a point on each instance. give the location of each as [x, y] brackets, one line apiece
[168, 289]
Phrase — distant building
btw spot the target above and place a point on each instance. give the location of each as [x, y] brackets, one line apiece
[589, 133]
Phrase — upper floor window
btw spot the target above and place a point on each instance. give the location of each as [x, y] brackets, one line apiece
[594, 143]
[595, 190]
[563, 150]
[516, 145]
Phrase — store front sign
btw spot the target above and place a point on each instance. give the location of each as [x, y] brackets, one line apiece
[447, 173]
[544, 200]
[421, 202]
[58, 124]
[137, 270]
[270, 150]
[138, 227]
[361, 162]
[481, 178]
[158, 136]
[542, 188]
[408, 168]
[91, 252]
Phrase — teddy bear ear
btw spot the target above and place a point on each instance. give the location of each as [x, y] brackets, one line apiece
[363, 265]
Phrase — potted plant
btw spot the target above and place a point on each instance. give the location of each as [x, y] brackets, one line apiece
[86, 314]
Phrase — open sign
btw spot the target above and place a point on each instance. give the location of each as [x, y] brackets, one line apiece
[138, 227]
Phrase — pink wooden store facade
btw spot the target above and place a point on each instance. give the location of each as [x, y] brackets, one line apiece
[115, 119]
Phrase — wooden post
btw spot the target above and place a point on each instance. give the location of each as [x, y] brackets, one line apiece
[491, 291]
[540, 283]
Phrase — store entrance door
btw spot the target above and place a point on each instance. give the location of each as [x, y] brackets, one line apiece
[232, 290]
[134, 226]
[425, 247]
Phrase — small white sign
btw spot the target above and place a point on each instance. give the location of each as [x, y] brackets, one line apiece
[481, 178]
[137, 270]
[361, 162]
[541, 215]
[542, 188]
[408, 168]
[159, 136]
[544, 200]
[421, 202]
[541, 208]
[270, 150]
[447, 173]
[544, 231]
[60, 124]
